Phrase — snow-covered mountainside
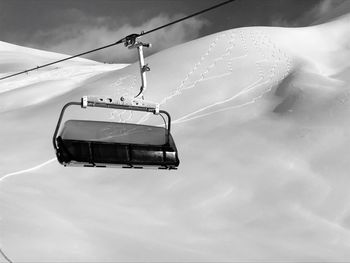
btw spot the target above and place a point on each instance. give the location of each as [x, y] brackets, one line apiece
[44, 84]
[261, 124]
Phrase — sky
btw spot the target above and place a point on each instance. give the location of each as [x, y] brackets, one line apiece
[74, 26]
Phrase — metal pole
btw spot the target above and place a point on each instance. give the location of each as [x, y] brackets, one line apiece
[142, 68]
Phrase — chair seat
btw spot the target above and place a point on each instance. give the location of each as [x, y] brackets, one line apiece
[96, 143]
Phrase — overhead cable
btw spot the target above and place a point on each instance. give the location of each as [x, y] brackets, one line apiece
[5, 257]
[126, 40]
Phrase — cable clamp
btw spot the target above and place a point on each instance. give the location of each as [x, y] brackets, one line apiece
[130, 40]
[145, 68]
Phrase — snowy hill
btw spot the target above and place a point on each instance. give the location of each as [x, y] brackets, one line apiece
[44, 84]
[16, 58]
[261, 123]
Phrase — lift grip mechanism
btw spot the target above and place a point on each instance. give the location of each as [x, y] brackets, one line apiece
[131, 42]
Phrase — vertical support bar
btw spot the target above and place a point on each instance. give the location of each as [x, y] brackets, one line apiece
[142, 69]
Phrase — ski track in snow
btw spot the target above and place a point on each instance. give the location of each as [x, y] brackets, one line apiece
[27, 170]
[2, 179]
[280, 61]
[277, 56]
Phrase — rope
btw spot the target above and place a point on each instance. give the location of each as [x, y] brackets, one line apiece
[5, 257]
[126, 40]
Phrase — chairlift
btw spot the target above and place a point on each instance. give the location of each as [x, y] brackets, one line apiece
[88, 143]
[113, 144]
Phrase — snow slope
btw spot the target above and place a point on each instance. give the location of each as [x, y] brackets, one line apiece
[261, 123]
[44, 84]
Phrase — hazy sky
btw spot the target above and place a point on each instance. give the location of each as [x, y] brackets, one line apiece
[74, 26]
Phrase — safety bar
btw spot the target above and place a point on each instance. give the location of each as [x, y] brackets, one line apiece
[109, 106]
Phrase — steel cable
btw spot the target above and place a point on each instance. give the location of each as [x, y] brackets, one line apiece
[125, 40]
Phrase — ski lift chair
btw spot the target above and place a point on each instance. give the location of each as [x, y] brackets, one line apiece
[107, 144]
